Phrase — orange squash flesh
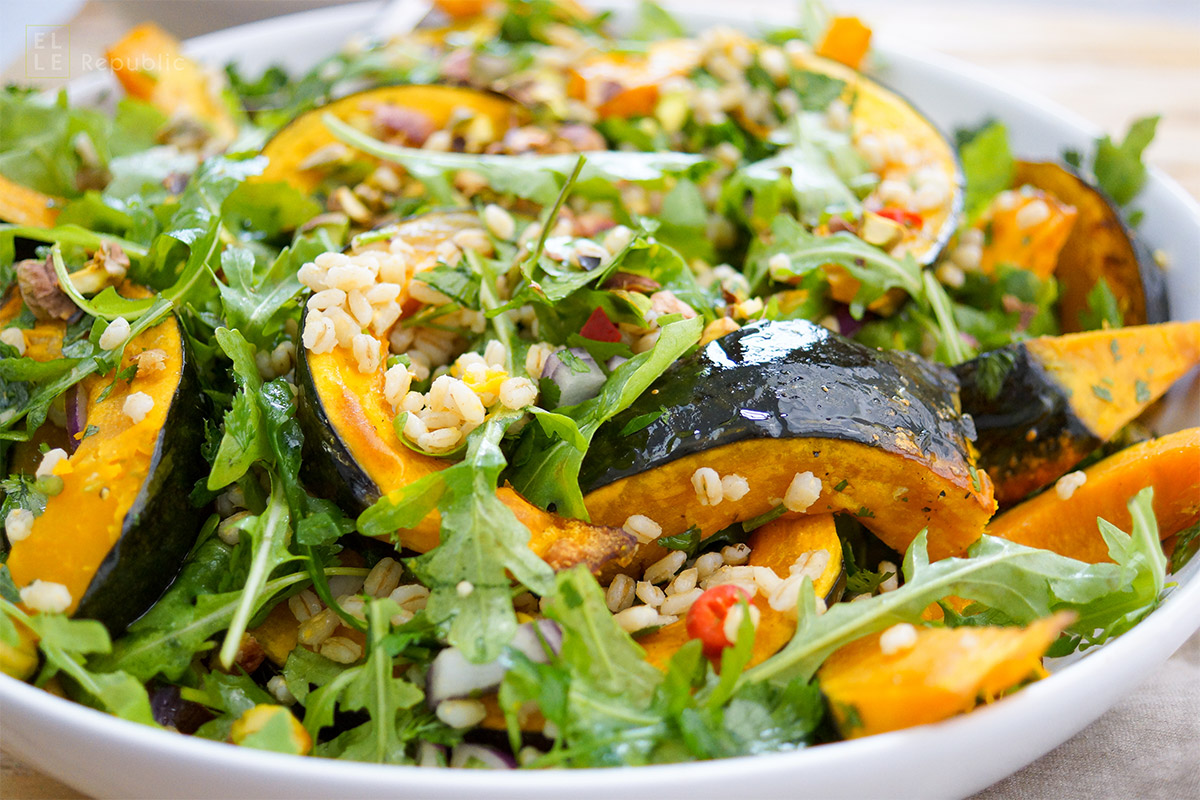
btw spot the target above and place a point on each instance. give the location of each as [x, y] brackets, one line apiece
[151, 66]
[21, 205]
[894, 495]
[846, 41]
[1171, 464]
[101, 480]
[288, 149]
[1098, 247]
[776, 545]
[627, 84]
[877, 111]
[1034, 247]
[944, 674]
[1112, 376]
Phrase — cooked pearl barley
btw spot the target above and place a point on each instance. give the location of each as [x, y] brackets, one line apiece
[278, 688]
[319, 333]
[413, 401]
[18, 524]
[115, 334]
[709, 563]
[535, 359]
[367, 352]
[665, 568]
[897, 638]
[802, 492]
[619, 595]
[734, 487]
[766, 579]
[360, 308]
[892, 583]
[637, 618]
[317, 628]
[50, 461]
[707, 484]
[786, 596]
[649, 594]
[1032, 214]
[461, 713]
[495, 354]
[313, 277]
[678, 604]
[304, 605]
[14, 338]
[897, 193]
[466, 403]
[343, 326]
[736, 554]
[439, 440]
[352, 276]
[645, 529]
[137, 406]
[46, 596]
[499, 221]
[341, 650]
[383, 578]
[684, 582]
[733, 621]
[1065, 486]
[396, 381]
[329, 298]
[617, 239]
[811, 564]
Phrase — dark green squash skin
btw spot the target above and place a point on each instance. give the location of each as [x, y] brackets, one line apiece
[162, 525]
[778, 380]
[1028, 433]
[326, 466]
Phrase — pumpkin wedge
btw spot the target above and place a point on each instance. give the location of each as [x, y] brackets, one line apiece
[1100, 246]
[1011, 240]
[881, 113]
[24, 206]
[420, 110]
[151, 66]
[776, 545]
[880, 430]
[117, 533]
[1042, 405]
[1171, 464]
[353, 455]
[944, 673]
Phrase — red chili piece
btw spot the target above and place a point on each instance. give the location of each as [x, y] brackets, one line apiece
[706, 617]
[902, 216]
[600, 328]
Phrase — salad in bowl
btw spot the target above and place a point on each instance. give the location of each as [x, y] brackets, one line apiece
[528, 391]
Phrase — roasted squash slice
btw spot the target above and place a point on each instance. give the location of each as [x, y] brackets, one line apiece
[943, 673]
[290, 151]
[881, 113]
[1100, 246]
[1042, 405]
[880, 430]
[24, 206]
[352, 453]
[1018, 234]
[151, 66]
[118, 531]
[776, 545]
[1067, 525]
[627, 84]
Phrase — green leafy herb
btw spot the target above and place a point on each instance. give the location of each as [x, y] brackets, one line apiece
[1102, 311]
[1118, 167]
[988, 166]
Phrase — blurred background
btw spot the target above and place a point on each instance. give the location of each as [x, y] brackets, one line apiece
[1110, 61]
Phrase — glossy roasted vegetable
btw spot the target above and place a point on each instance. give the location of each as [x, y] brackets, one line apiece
[353, 455]
[1015, 236]
[117, 532]
[24, 206]
[880, 431]
[1066, 522]
[1100, 246]
[932, 675]
[882, 114]
[776, 545]
[415, 112]
[1042, 405]
[172, 82]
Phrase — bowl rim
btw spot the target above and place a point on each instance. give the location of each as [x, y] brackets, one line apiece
[1149, 643]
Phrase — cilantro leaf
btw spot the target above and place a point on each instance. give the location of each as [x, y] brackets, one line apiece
[1118, 167]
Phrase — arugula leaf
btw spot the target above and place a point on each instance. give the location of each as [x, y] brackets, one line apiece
[244, 440]
[874, 269]
[258, 299]
[482, 542]
[988, 166]
[531, 177]
[550, 474]
[653, 23]
[1022, 582]
[1118, 167]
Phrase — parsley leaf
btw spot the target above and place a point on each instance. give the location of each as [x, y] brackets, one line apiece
[1118, 167]
[988, 166]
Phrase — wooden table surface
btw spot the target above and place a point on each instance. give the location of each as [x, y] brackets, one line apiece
[1108, 67]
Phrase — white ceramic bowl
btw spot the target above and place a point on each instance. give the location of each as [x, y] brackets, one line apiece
[108, 757]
